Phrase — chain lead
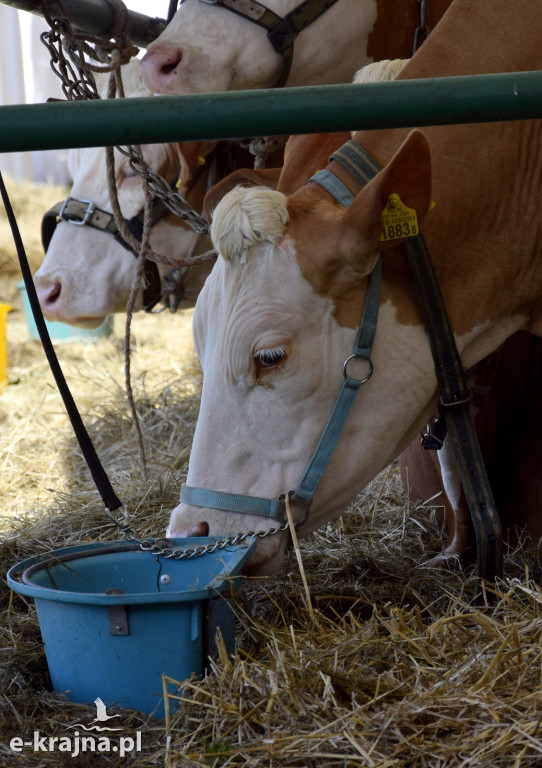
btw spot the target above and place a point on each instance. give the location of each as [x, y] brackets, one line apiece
[152, 545]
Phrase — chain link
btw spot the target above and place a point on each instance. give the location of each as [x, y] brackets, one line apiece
[160, 188]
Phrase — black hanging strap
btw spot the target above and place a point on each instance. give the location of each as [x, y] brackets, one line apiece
[456, 416]
[455, 408]
[98, 473]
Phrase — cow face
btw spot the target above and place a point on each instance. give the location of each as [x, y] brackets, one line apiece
[87, 274]
[206, 47]
[209, 48]
[273, 327]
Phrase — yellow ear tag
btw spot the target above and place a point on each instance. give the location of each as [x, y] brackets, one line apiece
[201, 161]
[398, 220]
[178, 182]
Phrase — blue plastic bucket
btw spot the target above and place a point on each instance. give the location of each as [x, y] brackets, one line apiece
[62, 331]
[115, 618]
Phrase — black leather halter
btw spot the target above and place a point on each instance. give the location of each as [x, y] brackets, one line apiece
[86, 213]
[281, 31]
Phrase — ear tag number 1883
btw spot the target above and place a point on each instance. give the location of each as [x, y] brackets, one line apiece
[398, 220]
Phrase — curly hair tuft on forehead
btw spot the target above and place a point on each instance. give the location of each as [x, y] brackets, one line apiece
[248, 216]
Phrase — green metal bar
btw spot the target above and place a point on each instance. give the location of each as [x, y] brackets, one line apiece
[98, 18]
[165, 119]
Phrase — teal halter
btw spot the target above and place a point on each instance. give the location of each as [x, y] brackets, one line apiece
[363, 167]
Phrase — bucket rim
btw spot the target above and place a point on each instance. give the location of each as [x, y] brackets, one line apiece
[19, 581]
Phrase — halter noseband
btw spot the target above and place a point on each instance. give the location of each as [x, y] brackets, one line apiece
[303, 494]
[281, 31]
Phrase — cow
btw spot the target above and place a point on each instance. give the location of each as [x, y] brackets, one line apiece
[501, 403]
[279, 314]
[215, 47]
[88, 272]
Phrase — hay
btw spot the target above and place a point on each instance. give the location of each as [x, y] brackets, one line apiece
[30, 202]
[391, 667]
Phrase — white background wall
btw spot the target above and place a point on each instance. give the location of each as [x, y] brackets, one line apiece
[26, 77]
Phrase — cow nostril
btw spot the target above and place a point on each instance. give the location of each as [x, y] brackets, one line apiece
[54, 295]
[49, 293]
[200, 529]
[171, 65]
[158, 66]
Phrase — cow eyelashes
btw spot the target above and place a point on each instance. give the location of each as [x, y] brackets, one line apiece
[270, 358]
[128, 174]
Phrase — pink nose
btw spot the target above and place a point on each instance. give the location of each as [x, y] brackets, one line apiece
[159, 68]
[49, 295]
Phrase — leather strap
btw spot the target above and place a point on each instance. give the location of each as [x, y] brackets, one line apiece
[281, 32]
[455, 409]
[249, 505]
[454, 392]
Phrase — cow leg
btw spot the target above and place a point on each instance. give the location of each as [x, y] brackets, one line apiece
[432, 478]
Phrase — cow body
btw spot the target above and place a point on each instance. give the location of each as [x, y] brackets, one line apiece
[278, 315]
[210, 48]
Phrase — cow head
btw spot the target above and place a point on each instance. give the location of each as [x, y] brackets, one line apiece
[273, 326]
[208, 47]
[87, 273]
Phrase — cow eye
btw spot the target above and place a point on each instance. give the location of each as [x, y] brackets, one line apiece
[270, 358]
[128, 174]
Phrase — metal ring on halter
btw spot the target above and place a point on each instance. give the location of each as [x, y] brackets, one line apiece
[358, 357]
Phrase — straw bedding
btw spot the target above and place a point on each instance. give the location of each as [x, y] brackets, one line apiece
[377, 662]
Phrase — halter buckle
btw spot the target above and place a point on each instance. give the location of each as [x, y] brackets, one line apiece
[86, 214]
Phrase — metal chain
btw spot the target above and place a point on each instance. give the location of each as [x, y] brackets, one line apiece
[160, 188]
[152, 545]
[75, 57]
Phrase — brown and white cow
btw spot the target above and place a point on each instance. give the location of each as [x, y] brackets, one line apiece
[209, 47]
[279, 313]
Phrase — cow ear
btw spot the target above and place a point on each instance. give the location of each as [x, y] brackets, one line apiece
[243, 177]
[191, 155]
[408, 174]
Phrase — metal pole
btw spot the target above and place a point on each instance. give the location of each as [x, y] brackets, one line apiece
[165, 119]
[97, 17]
